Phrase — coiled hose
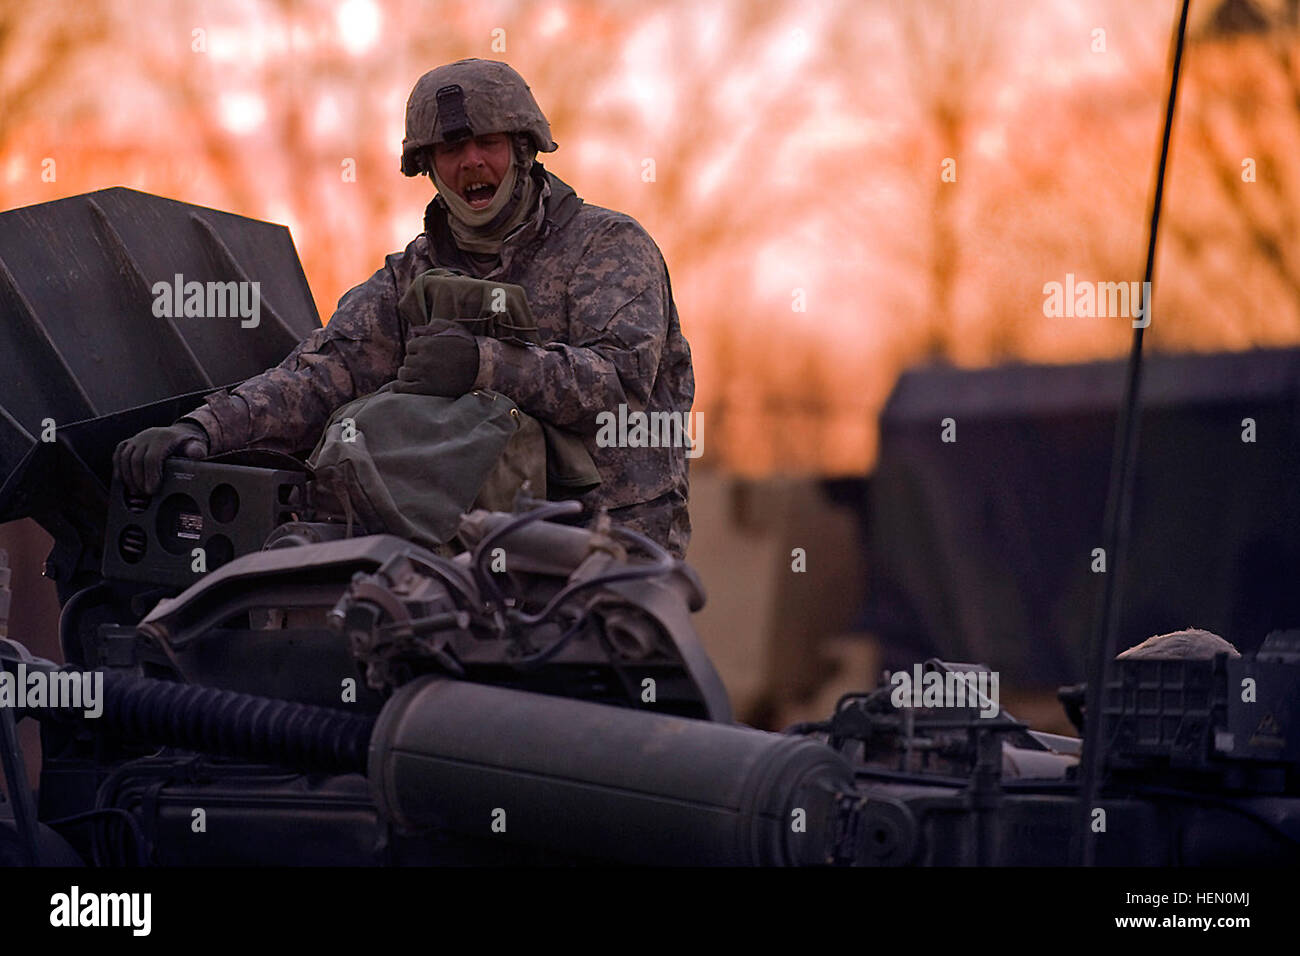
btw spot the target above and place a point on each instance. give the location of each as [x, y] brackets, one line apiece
[242, 726]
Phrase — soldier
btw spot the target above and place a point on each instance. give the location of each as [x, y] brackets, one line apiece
[595, 281]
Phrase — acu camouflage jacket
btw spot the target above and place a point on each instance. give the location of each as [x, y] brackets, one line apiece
[599, 290]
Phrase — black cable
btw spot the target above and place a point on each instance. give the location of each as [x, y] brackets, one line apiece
[533, 661]
[1119, 497]
[72, 607]
[483, 577]
[449, 573]
[664, 564]
[642, 572]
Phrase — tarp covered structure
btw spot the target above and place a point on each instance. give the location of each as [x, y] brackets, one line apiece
[981, 549]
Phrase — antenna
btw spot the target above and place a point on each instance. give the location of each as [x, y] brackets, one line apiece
[1119, 499]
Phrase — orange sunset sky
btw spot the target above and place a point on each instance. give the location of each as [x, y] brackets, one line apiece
[797, 150]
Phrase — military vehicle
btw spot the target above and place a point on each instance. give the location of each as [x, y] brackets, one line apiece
[282, 687]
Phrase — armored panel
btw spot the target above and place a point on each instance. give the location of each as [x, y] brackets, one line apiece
[93, 326]
[226, 510]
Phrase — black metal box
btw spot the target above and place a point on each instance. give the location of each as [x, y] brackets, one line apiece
[203, 515]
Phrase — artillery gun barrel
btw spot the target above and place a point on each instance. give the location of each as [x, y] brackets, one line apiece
[586, 779]
[599, 781]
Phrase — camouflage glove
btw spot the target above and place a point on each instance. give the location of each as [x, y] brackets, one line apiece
[441, 359]
[139, 460]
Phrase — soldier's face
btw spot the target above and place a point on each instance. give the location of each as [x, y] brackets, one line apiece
[474, 167]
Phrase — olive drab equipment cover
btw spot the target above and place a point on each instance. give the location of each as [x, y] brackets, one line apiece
[411, 464]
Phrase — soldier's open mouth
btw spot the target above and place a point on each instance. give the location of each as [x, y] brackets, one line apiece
[479, 194]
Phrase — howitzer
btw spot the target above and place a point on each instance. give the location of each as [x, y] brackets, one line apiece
[523, 726]
[547, 763]
[482, 730]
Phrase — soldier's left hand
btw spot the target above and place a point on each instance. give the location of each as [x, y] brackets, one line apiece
[440, 360]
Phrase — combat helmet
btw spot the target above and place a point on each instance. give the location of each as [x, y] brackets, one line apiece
[469, 98]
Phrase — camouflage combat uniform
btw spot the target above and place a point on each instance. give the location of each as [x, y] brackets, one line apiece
[599, 290]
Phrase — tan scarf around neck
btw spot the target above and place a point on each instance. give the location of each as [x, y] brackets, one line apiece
[469, 225]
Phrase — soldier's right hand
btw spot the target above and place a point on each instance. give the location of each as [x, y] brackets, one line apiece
[139, 460]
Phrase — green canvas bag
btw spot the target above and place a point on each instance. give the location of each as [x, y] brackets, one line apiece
[411, 465]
